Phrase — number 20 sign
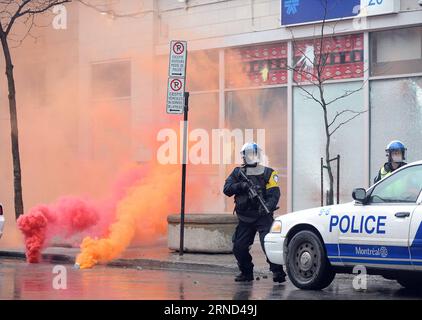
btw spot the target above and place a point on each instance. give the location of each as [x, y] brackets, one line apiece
[377, 7]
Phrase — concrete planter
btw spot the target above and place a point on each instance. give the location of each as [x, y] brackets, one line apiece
[205, 233]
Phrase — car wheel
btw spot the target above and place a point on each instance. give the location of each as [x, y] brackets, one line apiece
[307, 264]
[411, 282]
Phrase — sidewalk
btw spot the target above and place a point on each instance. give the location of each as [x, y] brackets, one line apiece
[157, 257]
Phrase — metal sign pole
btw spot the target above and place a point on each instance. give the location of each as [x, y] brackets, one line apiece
[183, 194]
[178, 103]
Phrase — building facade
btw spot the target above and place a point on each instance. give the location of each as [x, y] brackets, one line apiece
[376, 53]
[94, 89]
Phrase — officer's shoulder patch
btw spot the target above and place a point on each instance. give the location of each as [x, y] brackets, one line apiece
[273, 181]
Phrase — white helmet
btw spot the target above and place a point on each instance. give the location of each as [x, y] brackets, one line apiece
[251, 154]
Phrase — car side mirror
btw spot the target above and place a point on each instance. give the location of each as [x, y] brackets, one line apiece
[359, 195]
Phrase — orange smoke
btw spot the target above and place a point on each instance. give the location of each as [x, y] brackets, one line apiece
[147, 203]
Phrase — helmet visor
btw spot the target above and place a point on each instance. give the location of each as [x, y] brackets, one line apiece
[252, 156]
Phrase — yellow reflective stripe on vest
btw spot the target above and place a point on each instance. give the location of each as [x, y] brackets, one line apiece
[273, 181]
[384, 173]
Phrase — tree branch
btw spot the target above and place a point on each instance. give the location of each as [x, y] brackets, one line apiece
[310, 95]
[15, 16]
[24, 8]
[347, 93]
[347, 121]
[338, 114]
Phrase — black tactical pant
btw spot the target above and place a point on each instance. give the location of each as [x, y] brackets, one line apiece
[244, 237]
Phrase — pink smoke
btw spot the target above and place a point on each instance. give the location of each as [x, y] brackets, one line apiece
[67, 217]
[71, 216]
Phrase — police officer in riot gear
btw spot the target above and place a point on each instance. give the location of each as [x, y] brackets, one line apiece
[253, 216]
[396, 154]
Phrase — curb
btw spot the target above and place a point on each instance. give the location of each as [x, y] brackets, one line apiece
[137, 263]
[171, 265]
[50, 257]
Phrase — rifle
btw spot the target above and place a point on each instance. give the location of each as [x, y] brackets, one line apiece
[253, 194]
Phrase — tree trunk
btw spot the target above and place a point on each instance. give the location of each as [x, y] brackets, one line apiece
[330, 196]
[14, 129]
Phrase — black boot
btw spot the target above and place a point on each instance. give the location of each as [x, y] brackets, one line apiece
[279, 277]
[242, 277]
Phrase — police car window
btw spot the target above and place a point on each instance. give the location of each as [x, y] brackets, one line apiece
[404, 186]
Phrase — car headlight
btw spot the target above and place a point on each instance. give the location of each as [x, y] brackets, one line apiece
[276, 227]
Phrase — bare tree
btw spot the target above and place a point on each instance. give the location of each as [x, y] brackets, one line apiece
[311, 73]
[12, 11]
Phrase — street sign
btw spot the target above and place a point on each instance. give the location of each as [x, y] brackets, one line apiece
[178, 55]
[176, 96]
[378, 7]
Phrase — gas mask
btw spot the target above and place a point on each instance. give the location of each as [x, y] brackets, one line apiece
[397, 158]
[251, 158]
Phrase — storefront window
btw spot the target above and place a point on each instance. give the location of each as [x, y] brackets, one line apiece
[396, 114]
[203, 119]
[340, 58]
[309, 144]
[35, 81]
[396, 51]
[202, 71]
[111, 128]
[262, 109]
[256, 66]
[111, 80]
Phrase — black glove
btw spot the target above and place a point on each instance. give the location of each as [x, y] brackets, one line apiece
[258, 189]
[254, 191]
[242, 186]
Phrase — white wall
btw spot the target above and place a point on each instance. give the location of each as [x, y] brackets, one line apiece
[205, 19]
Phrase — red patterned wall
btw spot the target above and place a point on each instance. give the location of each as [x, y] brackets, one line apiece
[267, 64]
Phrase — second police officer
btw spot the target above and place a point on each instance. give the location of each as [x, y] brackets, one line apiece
[396, 154]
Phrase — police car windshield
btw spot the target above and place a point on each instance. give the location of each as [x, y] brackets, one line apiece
[402, 187]
[377, 199]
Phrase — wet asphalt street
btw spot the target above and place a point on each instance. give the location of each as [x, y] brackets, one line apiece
[19, 280]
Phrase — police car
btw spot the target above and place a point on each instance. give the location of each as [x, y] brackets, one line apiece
[380, 230]
[1, 220]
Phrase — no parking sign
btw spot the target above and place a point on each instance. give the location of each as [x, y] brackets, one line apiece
[175, 95]
[178, 57]
[177, 75]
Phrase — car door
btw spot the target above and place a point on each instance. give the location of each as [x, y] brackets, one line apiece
[377, 233]
[415, 235]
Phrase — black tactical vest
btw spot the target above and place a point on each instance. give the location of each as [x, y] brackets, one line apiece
[247, 209]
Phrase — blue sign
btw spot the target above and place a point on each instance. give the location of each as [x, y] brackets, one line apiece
[304, 11]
